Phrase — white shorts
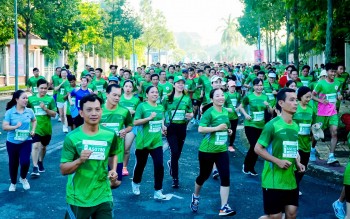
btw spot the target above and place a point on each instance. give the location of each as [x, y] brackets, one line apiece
[60, 105]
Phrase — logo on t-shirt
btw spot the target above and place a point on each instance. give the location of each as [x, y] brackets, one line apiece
[336, 87]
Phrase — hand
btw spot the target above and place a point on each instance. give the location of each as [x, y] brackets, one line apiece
[300, 167]
[274, 92]
[248, 117]
[164, 130]
[18, 125]
[112, 175]
[229, 132]
[188, 116]
[85, 154]
[122, 133]
[221, 127]
[42, 105]
[32, 133]
[340, 97]
[153, 114]
[266, 103]
[284, 164]
[132, 112]
[324, 101]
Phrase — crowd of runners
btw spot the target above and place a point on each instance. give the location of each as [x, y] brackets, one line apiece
[284, 109]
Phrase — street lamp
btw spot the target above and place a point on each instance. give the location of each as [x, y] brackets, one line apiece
[16, 47]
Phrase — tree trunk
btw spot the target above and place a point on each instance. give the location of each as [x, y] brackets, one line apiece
[328, 52]
[296, 35]
[288, 33]
[27, 48]
[112, 48]
[271, 46]
[159, 55]
[274, 39]
[267, 46]
[148, 50]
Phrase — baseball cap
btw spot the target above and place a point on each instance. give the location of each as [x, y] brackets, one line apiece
[231, 83]
[215, 78]
[323, 73]
[271, 75]
[184, 71]
[113, 79]
[179, 78]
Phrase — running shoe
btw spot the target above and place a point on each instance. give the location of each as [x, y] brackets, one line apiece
[175, 183]
[25, 183]
[300, 193]
[12, 187]
[158, 195]
[169, 167]
[59, 119]
[194, 203]
[231, 149]
[135, 188]
[125, 171]
[339, 210]
[245, 171]
[313, 155]
[253, 173]
[35, 172]
[41, 167]
[226, 211]
[215, 174]
[332, 160]
[65, 129]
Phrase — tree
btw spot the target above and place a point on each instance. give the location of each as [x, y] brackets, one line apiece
[6, 23]
[328, 52]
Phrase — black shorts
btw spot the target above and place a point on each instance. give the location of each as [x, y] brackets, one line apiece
[78, 121]
[275, 200]
[347, 193]
[196, 102]
[70, 120]
[44, 140]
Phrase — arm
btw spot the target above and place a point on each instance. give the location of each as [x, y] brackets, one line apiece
[261, 151]
[112, 162]
[205, 130]
[7, 127]
[145, 120]
[59, 86]
[33, 126]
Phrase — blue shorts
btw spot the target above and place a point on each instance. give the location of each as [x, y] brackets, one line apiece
[120, 171]
[55, 97]
[134, 130]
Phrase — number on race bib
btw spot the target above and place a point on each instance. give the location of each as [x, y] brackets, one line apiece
[21, 135]
[290, 149]
[221, 138]
[258, 116]
[155, 126]
[304, 129]
[98, 149]
[179, 115]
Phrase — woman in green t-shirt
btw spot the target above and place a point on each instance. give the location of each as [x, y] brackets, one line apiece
[149, 116]
[129, 101]
[213, 150]
[178, 107]
[62, 98]
[256, 103]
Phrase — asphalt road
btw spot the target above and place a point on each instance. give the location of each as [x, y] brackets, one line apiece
[46, 198]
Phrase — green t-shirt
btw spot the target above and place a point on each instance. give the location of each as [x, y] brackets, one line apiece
[130, 104]
[116, 120]
[281, 141]
[89, 185]
[347, 169]
[167, 88]
[249, 81]
[101, 86]
[149, 135]
[32, 83]
[55, 82]
[304, 118]
[62, 92]
[197, 92]
[92, 86]
[145, 85]
[84, 73]
[206, 87]
[214, 142]
[255, 108]
[235, 99]
[44, 126]
[190, 85]
[306, 81]
[327, 90]
[69, 90]
[185, 106]
[268, 89]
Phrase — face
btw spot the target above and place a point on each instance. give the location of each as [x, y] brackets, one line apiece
[113, 70]
[148, 77]
[114, 96]
[256, 71]
[87, 67]
[290, 104]
[185, 75]
[272, 80]
[121, 73]
[98, 74]
[36, 73]
[179, 86]
[211, 73]
[73, 83]
[58, 71]
[293, 86]
[126, 75]
[171, 70]
[340, 69]
[306, 98]
[289, 70]
[42, 89]
[151, 72]
[152, 94]
[64, 74]
[91, 112]
[258, 87]
[232, 88]
[305, 72]
[155, 80]
[22, 100]
[261, 76]
[84, 82]
[216, 84]
[218, 98]
[331, 74]
[162, 76]
[293, 75]
[127, 87]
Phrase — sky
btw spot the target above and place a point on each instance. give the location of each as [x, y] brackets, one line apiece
[201, 16]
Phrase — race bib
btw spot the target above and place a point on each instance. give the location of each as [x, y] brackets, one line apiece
[304, 129]
[130, 107]
[35, 89]
[99, 88]
[179, 115]
[305, 83]
[290, 149]
[39, 111]
[21, 135]
[332, 98]
[258, 116]
[158, 100]
[234, 102]
[155, 126]
[270, 96]
[98, 149]
[186, 86]
[112, 126]
[62, 91]
[221, 138]
[73, 100]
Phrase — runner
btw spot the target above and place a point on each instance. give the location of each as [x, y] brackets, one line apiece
[178, 106]
[196, 97]
[292, 85]
[44, 108]
[113, 71]
[86, 71]
[118, 119]
[53, 83]
[61, 105]
[326, 93]
[155, 83]
[256, 104]
[71, 109]
[290, 74]
[278, 145]
[305, 78]
[100, 84]
[87, 152]
[20, 124]
[31, 83]
[213, 150]
[149, 117]
[166, 86]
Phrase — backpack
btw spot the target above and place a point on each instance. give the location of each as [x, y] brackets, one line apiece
[345, 118]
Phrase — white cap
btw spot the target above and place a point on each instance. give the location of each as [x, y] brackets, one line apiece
[215, 78]
[272, 75]
[323, 73]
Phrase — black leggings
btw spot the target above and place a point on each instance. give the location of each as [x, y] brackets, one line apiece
[234, 124]
[253, 135]
[206, 161]
[141, 161]
[304, 159]
[176, 135]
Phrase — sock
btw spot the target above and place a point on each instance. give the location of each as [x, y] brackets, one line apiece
[339, 202]
[195, 196]
[331, 155]
[313, 149]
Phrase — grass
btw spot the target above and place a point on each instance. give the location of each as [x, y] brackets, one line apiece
[11, 88]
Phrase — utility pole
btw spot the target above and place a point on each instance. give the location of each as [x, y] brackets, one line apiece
[16, 46]
[259, 57]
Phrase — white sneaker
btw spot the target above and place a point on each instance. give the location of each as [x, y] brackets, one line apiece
[25, 183]
[12, 187]
[300, 193]
[59, 119]
[135, 188]
[159, 195]
[65, 129]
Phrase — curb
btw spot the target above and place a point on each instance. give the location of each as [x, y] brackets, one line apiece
[313, 170]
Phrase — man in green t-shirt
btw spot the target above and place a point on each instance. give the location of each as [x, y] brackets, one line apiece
[278, 145]
[32, 82]
[165, 85]
[44, 107]
[87, 153]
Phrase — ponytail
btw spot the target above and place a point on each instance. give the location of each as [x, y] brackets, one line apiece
[13, 101]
